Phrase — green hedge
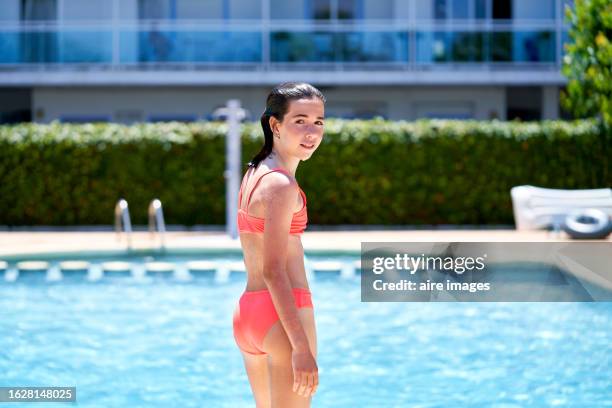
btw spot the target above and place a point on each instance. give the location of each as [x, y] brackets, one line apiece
[365, 172]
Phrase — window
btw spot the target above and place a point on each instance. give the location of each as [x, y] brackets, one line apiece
[502, 9]
[350, 9]
[524, 103]
[87, 10]
[155, 10]
[356, 110]
[382, 9]
[172, 117]
[457, 9]
[75, 118]
[201, 9]
[481, 9]
[245, 9]
[128, 116]
[38, 10]
[534, 10]
[198, 9]
[460, 9]
[320, 9]
[289, 9]
[444, 110]
[440, 12]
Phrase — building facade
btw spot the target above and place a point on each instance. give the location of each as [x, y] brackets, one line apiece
[156, 60]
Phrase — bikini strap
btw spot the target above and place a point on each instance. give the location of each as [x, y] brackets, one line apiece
[257, 183]
[244, 180]
[303, 198]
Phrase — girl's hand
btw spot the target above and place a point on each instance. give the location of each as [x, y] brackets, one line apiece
[305, 373]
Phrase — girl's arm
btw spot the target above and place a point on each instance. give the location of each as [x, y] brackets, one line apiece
[279, 200]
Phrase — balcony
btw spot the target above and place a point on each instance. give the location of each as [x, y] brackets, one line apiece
[261, 50]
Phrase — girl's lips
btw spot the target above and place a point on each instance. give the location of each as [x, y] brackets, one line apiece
[307, 146]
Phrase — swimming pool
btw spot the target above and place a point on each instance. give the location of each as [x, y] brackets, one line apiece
[162, 342]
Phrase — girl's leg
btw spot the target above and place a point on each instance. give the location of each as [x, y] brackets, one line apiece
[257, 371]
[277, 345]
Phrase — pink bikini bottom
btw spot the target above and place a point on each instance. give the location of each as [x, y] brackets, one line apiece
[255, 314]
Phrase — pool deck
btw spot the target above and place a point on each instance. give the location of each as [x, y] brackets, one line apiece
[18, 242]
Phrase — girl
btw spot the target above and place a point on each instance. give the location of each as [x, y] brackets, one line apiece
[273, 322]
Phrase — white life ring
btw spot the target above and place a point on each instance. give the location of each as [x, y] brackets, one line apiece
[587, 223]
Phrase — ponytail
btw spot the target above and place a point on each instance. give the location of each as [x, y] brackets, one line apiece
[268, 141]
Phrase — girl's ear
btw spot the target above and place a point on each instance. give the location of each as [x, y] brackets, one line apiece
[274, 123]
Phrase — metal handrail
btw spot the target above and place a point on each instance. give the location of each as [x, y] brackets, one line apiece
[156, 219]
[122, 218]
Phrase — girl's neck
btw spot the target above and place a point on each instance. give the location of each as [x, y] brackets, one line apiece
[275, 160]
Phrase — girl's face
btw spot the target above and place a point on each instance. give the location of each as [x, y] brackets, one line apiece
[301, 130]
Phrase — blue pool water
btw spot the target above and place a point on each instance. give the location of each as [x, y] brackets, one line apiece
[161, 343]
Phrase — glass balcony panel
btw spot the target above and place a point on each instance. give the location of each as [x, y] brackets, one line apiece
[86, 47]
[441, 46]
[534, 46]
[432, 46]
[523, 46]
[38, 47]
[373, 46]
[466, 46]
[500, 46]
[339, 47]
[10, 47]
[67, 46]
[189, 46]
[302, 47]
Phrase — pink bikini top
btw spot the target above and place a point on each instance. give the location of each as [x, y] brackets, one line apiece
[255, 225]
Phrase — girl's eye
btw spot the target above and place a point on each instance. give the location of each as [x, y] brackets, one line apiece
[300, 121]
[319, 123]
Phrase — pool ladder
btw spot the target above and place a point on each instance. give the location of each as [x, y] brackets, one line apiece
[156, 221]
[122, 218]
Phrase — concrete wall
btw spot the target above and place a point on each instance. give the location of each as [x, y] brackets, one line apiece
[137, 104]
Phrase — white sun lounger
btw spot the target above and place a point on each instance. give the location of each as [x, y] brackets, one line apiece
[536, 207]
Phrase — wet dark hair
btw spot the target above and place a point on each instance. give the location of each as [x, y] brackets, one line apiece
[277, 105]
